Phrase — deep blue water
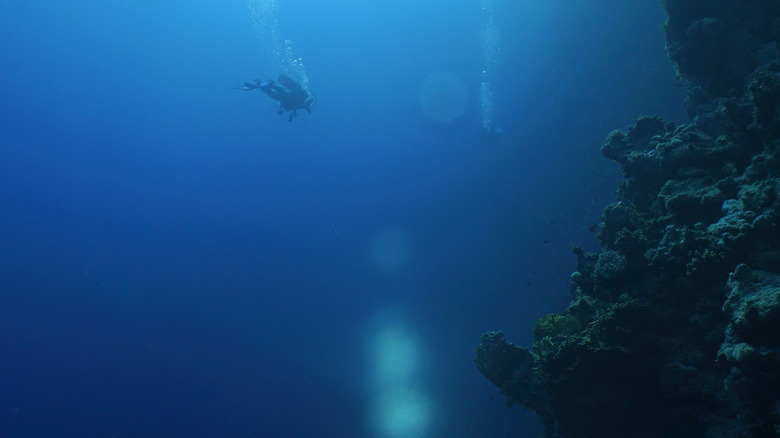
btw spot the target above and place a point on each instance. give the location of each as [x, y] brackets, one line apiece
[176, 259]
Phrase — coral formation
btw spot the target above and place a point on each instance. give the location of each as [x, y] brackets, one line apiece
[674, 328]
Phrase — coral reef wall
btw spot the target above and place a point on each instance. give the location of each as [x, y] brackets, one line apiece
[674, 328]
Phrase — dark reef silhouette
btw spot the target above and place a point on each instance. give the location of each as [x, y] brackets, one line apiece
[674, 328]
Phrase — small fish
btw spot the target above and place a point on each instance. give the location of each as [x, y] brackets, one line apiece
[528, 284]
[547, 241]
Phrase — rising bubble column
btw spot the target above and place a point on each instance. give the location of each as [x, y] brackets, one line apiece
[490, 52]
[278, 52]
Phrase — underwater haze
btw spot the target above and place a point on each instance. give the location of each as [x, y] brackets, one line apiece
[177, 259]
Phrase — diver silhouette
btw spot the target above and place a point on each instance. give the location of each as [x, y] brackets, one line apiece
[289, 93]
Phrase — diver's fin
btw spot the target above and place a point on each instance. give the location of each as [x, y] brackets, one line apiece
[248, 86]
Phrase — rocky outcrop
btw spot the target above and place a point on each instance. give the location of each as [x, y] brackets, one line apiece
[674, 328]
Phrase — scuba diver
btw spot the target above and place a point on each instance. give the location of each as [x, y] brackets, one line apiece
[290, 94]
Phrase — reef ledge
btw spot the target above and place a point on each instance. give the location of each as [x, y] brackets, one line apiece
[673, 329]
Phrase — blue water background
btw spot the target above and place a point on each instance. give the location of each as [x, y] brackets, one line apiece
[178, 260]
